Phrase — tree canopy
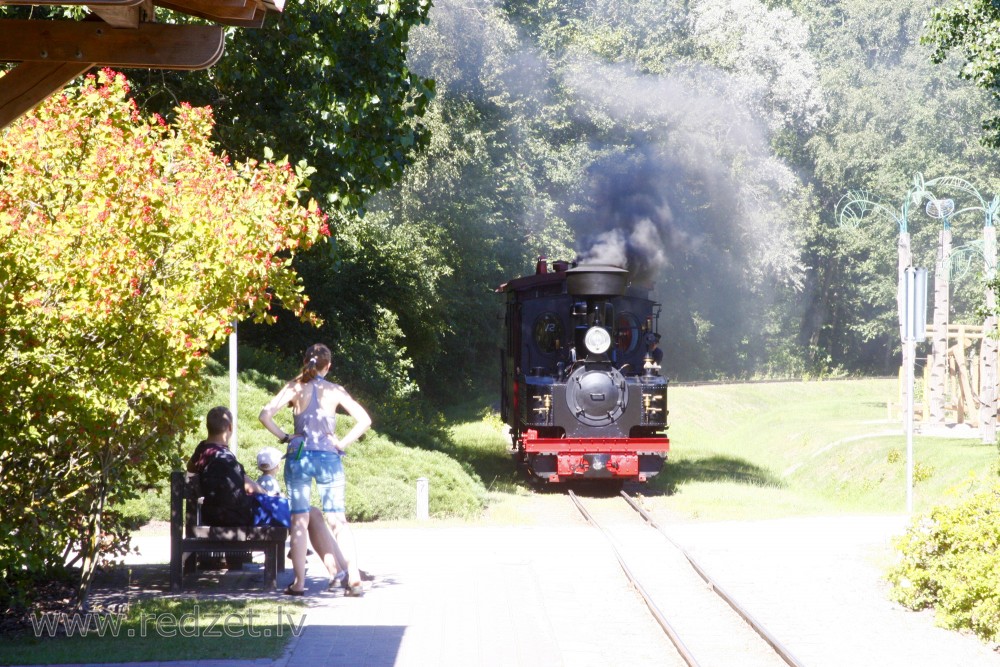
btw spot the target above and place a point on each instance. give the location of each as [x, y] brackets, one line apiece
[323, 82]
[972, 29]
[562, 128]
[128, 247]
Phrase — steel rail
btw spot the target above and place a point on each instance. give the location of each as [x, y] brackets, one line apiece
[757, 626]
[654, 610]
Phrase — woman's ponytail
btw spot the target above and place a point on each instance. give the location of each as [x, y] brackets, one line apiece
[317, 357]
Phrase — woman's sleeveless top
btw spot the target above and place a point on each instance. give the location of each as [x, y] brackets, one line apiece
[318, 427]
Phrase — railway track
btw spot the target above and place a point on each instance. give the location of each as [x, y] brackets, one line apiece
[706, 624]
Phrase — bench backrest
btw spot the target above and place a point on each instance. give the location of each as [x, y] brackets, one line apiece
[185, 500]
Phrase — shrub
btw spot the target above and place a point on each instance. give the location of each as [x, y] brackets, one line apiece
[382, 479]
[127, 249]
[379, 497]
[950, 562]
[922, 472]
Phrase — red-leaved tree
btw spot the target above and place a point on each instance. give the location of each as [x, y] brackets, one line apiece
[127, 249]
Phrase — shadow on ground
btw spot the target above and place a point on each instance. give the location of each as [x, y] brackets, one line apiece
[710, 469]
[116, 586]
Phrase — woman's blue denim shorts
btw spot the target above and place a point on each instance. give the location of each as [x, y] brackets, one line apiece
[326, 469]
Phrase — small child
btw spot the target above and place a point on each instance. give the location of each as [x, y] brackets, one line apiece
[267, 462]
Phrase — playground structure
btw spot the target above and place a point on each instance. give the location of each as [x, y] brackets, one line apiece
[960, 379]
[965, 372]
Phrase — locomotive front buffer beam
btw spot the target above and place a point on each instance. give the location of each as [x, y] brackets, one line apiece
[562, 459]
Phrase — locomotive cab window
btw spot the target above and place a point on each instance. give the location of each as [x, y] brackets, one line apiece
[548, 332]
[628, 334]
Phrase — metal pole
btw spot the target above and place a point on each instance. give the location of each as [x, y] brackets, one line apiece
[914, 317]
[233, 442]
[911, 345]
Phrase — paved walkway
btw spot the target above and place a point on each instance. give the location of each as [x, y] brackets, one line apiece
[533, 595]
[462, 596]
[815, 582]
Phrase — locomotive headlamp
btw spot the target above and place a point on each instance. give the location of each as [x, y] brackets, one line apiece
[597, 340]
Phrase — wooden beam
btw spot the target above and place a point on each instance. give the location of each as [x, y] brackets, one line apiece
[152, 45]
[102, 3]
[206, 5]
[124, 17]
[256, 22]
[118, 17]
[219, 11]
[25, 86]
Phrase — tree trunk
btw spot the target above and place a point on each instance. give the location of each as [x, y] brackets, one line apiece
[939, 363]
[905, 259]
[988, 347]
[92, 542]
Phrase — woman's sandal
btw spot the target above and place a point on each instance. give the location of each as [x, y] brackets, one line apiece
[337, 581]
[353, 590]
[292, 591]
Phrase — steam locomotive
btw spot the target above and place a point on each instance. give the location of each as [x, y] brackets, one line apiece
[581, 388]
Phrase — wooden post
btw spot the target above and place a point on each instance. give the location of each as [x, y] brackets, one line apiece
[964, 397]
[988, 347]
[939, 367]
[924, 402]
[24, 87]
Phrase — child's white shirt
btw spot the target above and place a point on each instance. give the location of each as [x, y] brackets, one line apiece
[270, 484]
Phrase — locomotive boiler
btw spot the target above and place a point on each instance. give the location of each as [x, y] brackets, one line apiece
[581, 387]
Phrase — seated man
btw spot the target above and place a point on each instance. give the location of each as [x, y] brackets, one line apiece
[228, 489]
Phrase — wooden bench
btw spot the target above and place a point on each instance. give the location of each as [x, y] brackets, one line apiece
[189, 538]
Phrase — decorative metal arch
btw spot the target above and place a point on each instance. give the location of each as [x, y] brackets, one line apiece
[963, 257]
[954, 184]
[858, 205]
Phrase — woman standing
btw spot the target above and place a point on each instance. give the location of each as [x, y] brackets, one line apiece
[315, 453]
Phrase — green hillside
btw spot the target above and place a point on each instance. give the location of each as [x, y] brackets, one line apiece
[778, 449]
[738, 451]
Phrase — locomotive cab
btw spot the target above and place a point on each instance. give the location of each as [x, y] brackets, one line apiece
[579, 394]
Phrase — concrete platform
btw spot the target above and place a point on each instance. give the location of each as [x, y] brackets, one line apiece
[450, 595]
[548, 595]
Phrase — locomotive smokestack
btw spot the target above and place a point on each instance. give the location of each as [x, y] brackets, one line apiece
[596, 280]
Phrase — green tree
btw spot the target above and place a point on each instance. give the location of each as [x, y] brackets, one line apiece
[329, 83]
[127, 249]
[486, 191]
[971, 27]
[891, 114]
[325, 82]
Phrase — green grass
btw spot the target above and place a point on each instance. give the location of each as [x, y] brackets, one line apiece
[156, 629]
[768, 450]
[481, 442]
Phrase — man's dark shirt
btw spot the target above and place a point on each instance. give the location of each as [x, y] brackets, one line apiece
[226, 500]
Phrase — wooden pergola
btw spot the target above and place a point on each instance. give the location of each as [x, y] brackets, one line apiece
[117, 33]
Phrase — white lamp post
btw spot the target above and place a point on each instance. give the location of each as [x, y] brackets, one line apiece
[914, 325]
